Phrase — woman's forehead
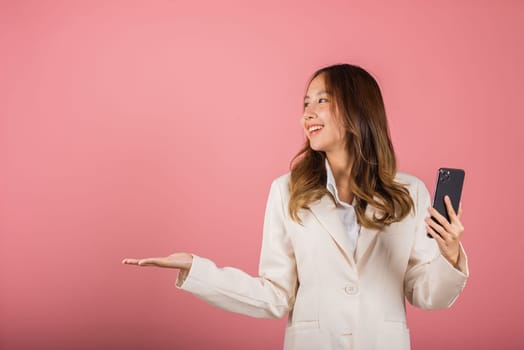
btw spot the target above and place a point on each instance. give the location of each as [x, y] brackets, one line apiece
[316, 87]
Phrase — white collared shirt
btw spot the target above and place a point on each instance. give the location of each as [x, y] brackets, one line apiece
[345, 210]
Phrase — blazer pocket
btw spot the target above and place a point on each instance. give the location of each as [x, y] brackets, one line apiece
[304, 325]
[394, 335]
[303, 335]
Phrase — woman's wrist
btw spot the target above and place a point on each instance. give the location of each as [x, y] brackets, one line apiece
[455, 262]
[189, 263]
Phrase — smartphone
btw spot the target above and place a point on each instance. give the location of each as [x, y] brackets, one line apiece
[449, 182]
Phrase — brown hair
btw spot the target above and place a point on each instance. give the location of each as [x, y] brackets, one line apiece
[359, 104]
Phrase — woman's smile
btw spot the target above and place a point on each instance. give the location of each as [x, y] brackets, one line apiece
[314, 129]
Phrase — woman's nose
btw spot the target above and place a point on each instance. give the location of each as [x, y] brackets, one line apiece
[308, 114]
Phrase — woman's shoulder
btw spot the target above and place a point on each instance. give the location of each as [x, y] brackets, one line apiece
[282, 183]
[283, 178]
[407, 179]
[413, 183]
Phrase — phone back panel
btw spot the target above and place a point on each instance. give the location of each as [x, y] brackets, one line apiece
[449, 182]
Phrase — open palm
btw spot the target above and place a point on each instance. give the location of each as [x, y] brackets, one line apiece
[174, 261]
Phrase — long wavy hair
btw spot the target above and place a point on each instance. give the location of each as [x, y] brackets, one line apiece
[358, 103]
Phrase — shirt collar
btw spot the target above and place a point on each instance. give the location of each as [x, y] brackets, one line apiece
[331, 184]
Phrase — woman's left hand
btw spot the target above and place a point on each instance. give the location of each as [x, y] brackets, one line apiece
[447, 234]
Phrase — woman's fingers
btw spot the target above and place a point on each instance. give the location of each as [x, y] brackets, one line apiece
[436, 236]
[440, 219]
[437, 228]
[456, 227]
[451, 211]
[151, 262]
[130, 261]
[147, 262]
[176, 261]
[460, 210]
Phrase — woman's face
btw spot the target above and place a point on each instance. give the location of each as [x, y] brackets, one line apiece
[319, 111]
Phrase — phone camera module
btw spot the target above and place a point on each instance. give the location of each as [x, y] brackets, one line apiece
[445, 175]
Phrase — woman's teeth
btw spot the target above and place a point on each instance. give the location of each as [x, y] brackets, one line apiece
[314, 129]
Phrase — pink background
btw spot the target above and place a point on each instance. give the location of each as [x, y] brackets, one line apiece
[141, 128]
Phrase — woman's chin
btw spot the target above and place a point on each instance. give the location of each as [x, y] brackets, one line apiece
[315, 147]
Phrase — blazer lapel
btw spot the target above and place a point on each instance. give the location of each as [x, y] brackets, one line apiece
[368, 236]
[325, 212]
[366, 240]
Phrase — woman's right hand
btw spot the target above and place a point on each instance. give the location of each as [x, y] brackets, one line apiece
[181, 261]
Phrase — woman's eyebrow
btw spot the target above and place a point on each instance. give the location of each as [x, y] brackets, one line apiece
[318, 93]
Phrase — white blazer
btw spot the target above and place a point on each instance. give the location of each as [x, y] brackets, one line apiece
[335, 300]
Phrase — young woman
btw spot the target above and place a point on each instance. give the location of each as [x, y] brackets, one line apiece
[345, 236]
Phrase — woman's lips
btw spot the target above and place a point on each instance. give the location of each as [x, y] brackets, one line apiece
[314, 132]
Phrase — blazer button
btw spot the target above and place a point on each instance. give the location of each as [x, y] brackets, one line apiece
[351, 289]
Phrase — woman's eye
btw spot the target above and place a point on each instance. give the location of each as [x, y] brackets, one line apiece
[320, 100]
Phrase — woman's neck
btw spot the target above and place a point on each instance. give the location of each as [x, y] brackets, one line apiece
[341, 167]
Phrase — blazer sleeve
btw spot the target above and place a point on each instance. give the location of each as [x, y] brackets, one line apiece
[272, 293]
[431, 281]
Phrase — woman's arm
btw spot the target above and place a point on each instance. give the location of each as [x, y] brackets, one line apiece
[431, 280]
[270, 295]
